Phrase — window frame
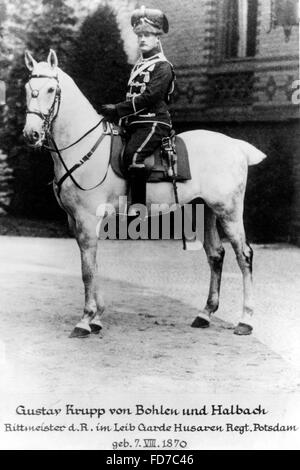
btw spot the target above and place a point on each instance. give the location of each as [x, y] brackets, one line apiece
[221, 36]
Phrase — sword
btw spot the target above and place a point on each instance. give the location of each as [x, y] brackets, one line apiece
[173, 176]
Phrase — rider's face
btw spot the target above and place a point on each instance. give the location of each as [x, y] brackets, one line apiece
[147, 41]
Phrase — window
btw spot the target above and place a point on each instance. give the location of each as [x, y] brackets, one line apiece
[240, 28]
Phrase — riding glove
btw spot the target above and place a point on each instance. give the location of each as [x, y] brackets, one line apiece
[109, 111]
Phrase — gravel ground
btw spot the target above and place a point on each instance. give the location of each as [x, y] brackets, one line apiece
[152, 292]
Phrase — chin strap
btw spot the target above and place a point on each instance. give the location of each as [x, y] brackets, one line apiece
[160, 46]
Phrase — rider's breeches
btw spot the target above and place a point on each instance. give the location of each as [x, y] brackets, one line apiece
[143, 140]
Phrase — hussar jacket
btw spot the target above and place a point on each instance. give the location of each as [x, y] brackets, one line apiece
[150, 84]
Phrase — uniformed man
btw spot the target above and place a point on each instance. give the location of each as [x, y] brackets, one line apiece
[145, 113]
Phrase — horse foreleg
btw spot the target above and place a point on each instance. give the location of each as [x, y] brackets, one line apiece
[234, 229]
[95, 322]
[94, 306]
[215, 256]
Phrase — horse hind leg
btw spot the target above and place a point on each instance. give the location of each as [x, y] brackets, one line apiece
[234, 229]
[215, 255]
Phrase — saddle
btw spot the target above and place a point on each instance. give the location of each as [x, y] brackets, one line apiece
[157, 164]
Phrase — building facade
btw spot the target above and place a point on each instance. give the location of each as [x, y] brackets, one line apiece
[237, 70]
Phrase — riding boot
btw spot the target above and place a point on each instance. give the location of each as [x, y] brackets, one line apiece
[137, 180]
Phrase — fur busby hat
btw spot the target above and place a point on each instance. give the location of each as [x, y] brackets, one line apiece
[149, 20]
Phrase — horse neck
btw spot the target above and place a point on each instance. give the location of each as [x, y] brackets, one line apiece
[75, 116]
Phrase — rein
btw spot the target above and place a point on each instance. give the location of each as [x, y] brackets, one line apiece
[76, 142]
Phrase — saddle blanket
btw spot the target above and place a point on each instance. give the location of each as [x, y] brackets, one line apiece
[156, 163]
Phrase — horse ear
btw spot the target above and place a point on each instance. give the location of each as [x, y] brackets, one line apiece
[52, 59]
[29, 61]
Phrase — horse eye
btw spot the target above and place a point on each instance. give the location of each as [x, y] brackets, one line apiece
[51, 90]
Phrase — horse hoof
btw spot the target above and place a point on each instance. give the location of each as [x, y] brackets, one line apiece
[200, 322]
[95, 328]
[242, 329]
[79, 333]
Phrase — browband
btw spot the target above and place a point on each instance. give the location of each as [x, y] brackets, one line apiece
[43, 76]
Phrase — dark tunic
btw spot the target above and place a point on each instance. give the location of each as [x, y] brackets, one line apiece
[145, 113]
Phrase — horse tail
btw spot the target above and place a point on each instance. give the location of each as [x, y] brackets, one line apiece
[253, 155]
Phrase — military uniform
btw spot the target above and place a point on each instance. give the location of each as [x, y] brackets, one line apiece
[145, 113]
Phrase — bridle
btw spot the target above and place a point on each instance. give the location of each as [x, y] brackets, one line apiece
[52, 113]
[48, 120]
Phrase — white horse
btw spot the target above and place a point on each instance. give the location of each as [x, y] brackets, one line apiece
[219, 168]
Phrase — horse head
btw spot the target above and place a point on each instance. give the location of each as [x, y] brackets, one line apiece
[42, 97]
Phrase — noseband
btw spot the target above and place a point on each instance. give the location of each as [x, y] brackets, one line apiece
[51, 115]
